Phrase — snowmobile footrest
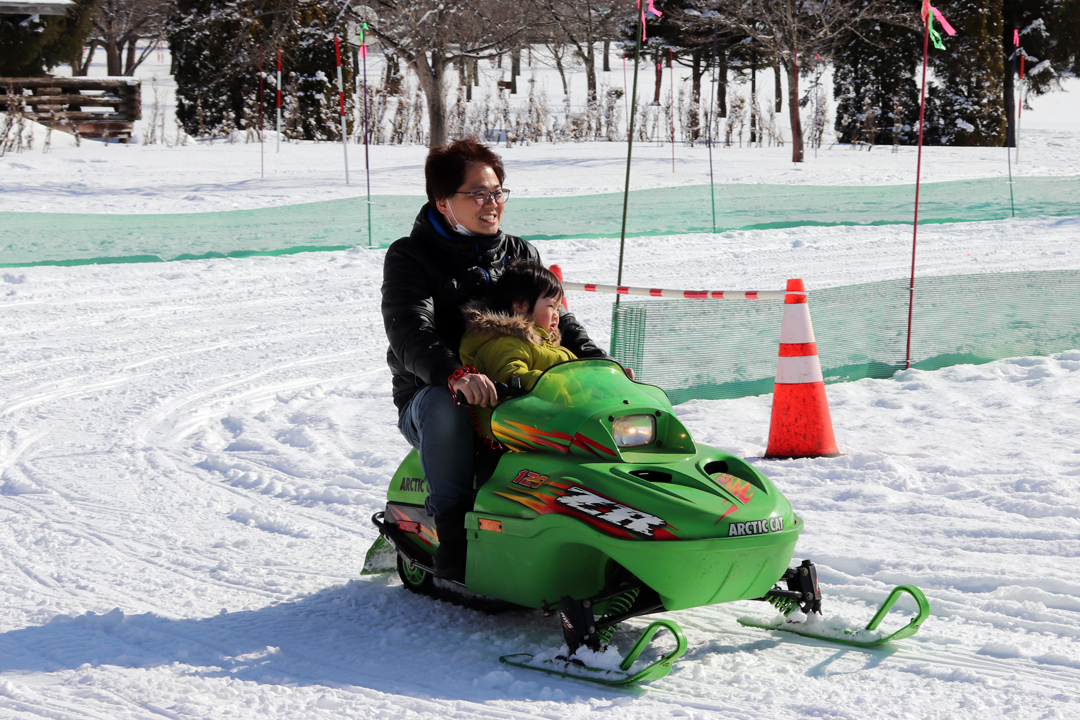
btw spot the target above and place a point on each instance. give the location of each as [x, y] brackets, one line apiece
[401, 546]
[622, 676]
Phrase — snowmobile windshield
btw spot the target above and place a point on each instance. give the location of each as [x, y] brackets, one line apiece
[577, 407]
[582, 383]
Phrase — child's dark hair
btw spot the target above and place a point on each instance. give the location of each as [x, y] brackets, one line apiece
[524, 281]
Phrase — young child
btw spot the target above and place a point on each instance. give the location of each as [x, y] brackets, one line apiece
[516, 333]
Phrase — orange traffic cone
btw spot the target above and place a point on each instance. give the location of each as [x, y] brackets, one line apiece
[800, 426]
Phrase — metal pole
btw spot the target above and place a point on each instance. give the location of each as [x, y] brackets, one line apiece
[630, 145]
[794, 102]
[1012, 98]
[262, 104]
[367, 165]
[626, 96]
[341, 98]
[1020, 110]
[918, 176]
[278, 101]
[671, 65]
[709, 120]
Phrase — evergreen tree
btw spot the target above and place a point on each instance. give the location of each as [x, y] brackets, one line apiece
[216, 45]
[965, 107]
[1049, 42]
[31, 48]
[687, 35]
[875, 72]
[794, 31]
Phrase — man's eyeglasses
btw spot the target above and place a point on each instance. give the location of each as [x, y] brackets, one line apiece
[482, 197]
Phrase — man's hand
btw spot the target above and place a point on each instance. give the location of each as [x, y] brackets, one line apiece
[630, 373]
[477, 389]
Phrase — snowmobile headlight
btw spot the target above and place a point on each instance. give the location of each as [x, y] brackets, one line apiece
[634, 430]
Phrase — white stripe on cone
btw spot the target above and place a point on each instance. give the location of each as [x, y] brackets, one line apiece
[795, 370]
[796, 327]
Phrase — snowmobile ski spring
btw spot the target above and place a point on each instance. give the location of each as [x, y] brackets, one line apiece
[619, 606]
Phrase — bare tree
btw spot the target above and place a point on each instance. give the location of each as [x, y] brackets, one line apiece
[584, 23]
[118, 25]
[431, 34]
[557, 51]
[682, 34]
[792, 29]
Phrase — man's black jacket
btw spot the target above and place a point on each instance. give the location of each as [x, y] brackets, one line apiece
[427, 278]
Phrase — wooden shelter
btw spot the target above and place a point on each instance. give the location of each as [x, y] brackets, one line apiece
[94, 107]
[35, 7]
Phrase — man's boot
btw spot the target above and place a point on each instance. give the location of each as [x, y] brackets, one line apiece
[450, 555]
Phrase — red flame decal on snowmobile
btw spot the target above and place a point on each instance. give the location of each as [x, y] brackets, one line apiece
[520, 437]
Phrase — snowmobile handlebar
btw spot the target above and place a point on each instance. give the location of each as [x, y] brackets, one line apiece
[503, 390]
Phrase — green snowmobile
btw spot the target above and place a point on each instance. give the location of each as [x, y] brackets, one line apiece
[604, 510]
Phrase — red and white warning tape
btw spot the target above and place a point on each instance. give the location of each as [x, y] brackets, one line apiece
[680, 294]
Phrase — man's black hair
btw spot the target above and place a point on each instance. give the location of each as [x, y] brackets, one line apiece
[446, 166]
[524, 281]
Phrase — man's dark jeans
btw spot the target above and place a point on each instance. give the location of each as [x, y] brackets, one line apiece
[442, 432]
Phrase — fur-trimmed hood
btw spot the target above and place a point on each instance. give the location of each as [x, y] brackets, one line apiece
[482, 321]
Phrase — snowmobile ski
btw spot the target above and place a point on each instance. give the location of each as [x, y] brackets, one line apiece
[859, 638]
[573, 668]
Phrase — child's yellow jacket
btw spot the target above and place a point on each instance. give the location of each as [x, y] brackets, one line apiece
[506, 346]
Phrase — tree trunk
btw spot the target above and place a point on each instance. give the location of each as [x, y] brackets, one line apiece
[392, 81]
[607, 61]
[463, 77]
[659, 76]
[779, 88]
[556, 53]
[793, 103]
[515, 69]
[129, 61]
[695, 94]
[753, 97]
[590, 75]
[721, 83]
[1009, 89]
[80, 68]
[432, 79]
[112, 58]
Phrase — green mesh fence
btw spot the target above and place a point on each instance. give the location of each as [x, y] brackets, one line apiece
[725, 349]
[68, 239]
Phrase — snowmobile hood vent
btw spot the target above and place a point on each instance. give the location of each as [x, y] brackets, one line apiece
[652, 475]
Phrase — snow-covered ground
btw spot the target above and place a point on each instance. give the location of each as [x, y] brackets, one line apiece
[190, 453]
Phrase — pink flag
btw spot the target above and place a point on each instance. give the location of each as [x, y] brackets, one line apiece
[944, 23]
[653, 10]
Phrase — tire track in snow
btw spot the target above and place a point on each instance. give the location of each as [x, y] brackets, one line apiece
[123, 548]
[32, 400]
[1051, 678]
[182, 415]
